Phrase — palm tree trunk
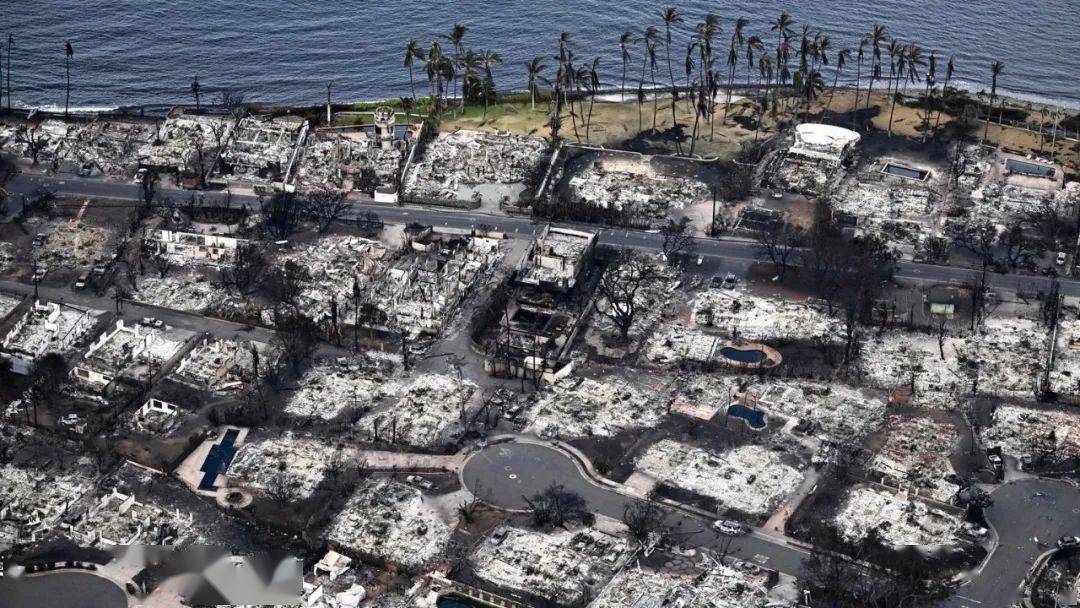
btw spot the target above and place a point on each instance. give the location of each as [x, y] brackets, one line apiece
[989, 116]
[588, 125]
[67, 86]
[412, 83]
[655, 98]
[671, 73]
[944, 89]
[892, 110]
[832, 93]
[623, 94]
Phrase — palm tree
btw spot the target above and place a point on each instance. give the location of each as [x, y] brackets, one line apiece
[195, 89]
[810, 86]
[996, 69]
[456, 38]
[949, 68]
[765, 66]
[909, 58]
[650, 38]
[1042, 135]
[737, 42]
[413, 51]
[688, 67]
[434, 67]
[625, 40]
[671, 16]
[487, 87]
[533, 69]
[591, 78]
[471, 63]
[931, 77]
[782, 27]
[858, 77]
[877, 37]
[68, 53]
[842, 57]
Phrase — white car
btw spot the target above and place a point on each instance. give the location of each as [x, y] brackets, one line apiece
[1061, 257]
[152, 322]
[69, 419]
[419, 482]
[726, 526]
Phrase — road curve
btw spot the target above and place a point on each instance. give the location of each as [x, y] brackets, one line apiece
[504, 474]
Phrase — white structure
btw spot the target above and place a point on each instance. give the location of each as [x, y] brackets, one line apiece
[556, 258]
[195, 247]
[111, 353]
[155, 415]
[333, 564]
[45, 328]
[823, 142]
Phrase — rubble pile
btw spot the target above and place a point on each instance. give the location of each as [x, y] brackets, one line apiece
[750, 479]
[679, 343]
[34, 500]
[7, 256]
[182, 137]
[303, 462]
[218, 365]
[720, 586]
[1006, 356]
[8, 304]
[1065, 373]
[421, 292]
[426, 409]
[895, 520]
[388, 520]
[582, 407]
[118, 519]
[916, 455]
[842, 413]
[188, 292]
[335, 263]
[333, 161]
[454, 161]
[798, 175]
[1034, 434]
[74, 244]
[328, 389]
[263, 147]
[740, 315]
[876, 202]
[639, 193]
[558, 566]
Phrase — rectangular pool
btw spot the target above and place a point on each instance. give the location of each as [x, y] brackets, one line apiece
[1025, 168]
[905, 172]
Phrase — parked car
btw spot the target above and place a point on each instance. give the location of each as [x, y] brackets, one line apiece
[39, 274]
[83, 279]
[419, 482]
[39, 239]
[152, 322]
[730, 281]
[1061, 257]
[69, 419]
[974, 531]
[731, 528]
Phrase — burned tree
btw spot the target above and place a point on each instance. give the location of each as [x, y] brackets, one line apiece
[248, 265]
[677, 239]
[281, 214]
[296, 339]
[324, 207]
[556, 506]
[1019, 249]
[284, 285]
[281, 489]
[619, 287]
[645, 522]
[778, 242]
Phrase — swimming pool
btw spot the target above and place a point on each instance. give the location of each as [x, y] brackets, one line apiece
[748, 355]
[905, 172]
[1025, 168]
[754, 418]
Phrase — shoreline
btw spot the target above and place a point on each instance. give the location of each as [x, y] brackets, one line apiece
[605, 94]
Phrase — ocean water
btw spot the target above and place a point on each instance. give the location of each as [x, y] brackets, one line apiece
[135, 52]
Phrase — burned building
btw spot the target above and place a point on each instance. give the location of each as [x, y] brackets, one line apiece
[48, 327]
[813, 161]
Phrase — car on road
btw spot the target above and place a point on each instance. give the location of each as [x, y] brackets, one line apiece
[1066, 542]
[83, 279]
[39, 274]
[152, 322]
[69, 419]
[419, 482]
[1061, 257]
[39, 239]
[731, 528]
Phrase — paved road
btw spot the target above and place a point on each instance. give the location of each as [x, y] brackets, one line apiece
[522, 227]
[504, 474]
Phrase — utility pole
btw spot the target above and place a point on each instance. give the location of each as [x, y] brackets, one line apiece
[712, 218]
[328, 117]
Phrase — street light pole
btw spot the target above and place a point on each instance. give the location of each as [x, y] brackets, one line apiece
[328, 117]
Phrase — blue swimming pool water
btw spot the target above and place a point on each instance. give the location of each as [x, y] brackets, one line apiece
[755, 418]
[743, 355]
[1019, 166]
